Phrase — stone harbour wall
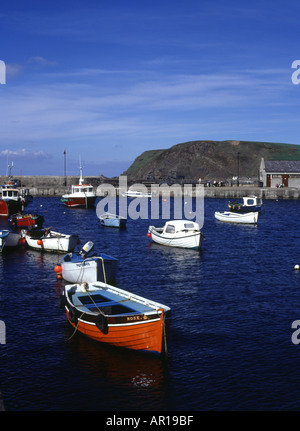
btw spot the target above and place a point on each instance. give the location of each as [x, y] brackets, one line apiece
[58, 185]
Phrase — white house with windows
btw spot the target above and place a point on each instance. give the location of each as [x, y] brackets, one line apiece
[275, 173]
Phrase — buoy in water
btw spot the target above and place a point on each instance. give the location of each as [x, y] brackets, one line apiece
[296, 267]
[57, 269]
[148, 235]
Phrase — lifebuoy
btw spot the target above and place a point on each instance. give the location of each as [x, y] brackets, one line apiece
[101, 323]
[72, 315]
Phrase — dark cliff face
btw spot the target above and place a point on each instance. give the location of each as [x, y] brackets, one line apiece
[208, 160]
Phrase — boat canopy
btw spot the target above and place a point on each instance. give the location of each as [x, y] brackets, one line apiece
[252, 200]
[82, 188]
[180, 225]
[10, 193]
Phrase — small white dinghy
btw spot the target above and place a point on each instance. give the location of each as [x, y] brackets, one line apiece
[177, 233]
[232, 217]
[50, 240]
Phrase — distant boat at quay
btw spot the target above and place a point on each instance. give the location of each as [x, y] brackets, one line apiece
[81, 195]
[136, 194]
[13, 198]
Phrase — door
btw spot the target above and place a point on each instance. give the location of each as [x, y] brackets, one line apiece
[285, 180]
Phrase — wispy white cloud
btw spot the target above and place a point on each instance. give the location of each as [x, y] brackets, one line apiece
[25, 153]
[97, 109]
[74, 110]
[14, 70]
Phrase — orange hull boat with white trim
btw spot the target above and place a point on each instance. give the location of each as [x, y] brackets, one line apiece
[111, 315]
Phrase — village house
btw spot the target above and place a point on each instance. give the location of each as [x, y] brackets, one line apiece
[279, 173]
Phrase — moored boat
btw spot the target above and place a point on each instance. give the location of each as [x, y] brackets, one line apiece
[9, 239]
[112, 220]
[136, 194]
[111, 315]
[81, 195]
[13, 197]
[20, 220]
[232, 217]
[50, 240]
[88, 267]
[177, 233]
[248, 204]
[11, 201]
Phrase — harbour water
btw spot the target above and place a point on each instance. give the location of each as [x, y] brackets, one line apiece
[229, 340]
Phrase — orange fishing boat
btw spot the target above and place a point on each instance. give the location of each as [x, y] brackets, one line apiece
[111, 315]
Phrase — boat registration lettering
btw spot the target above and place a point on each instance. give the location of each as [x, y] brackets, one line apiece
[135, 318]
[82, 264]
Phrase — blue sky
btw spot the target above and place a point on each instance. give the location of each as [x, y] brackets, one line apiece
[106, 81]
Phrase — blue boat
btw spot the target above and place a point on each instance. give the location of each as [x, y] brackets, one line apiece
[9, 239]
[113, 220]
[88, 267]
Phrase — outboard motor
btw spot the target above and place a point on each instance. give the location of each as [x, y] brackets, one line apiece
[86, 248]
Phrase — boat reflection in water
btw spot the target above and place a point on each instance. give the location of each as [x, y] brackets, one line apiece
[115, 375]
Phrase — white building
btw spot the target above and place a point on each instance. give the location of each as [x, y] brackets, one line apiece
[273, 173]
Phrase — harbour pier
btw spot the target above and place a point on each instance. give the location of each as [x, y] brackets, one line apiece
[56, 186]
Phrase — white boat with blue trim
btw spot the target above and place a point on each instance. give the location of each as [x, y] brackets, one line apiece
[88, 266]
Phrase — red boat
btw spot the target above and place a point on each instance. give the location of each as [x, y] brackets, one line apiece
[26, 220]
[9, 207]
[13, 199]
[81, 195]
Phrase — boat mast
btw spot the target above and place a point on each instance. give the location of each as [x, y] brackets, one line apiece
[81, 180]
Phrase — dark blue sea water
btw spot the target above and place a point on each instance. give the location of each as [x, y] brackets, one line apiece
[229, 340]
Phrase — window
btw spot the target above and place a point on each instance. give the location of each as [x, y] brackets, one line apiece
[188, 225]
[170, 228]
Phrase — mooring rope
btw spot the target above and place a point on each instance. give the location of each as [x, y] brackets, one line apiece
[76, 328]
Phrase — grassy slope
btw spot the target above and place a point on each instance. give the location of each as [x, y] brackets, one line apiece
[250, 151]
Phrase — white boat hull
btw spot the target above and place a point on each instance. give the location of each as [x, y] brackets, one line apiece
[191, 240]
[54, 241]
[134, 194]
[112, 220]
[231, 217]
[89, 271]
